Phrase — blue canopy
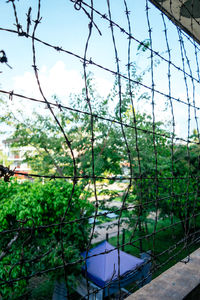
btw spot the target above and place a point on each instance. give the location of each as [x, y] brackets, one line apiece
[103, 268]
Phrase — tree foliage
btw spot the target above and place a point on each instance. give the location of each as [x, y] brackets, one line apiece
[165, 176]
[33, 205]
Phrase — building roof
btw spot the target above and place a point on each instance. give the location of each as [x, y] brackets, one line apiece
[102, 267]
[184, 13]
[10, 140]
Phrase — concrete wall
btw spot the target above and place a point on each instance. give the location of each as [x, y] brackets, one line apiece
[174, 284]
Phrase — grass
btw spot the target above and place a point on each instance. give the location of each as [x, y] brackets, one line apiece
[164, 240]
[42, 288]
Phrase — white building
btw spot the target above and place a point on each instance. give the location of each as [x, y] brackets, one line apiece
[14, 156]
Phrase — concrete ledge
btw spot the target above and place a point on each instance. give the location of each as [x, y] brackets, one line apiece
[174, 284]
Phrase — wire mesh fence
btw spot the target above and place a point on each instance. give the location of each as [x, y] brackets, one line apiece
[117, 154]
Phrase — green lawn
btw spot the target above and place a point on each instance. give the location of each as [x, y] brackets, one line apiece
[164, 240]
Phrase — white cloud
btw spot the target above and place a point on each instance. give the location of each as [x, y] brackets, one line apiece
[57, 80]
[103, 86]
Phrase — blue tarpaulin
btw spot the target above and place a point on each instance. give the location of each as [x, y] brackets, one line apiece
[103, 268]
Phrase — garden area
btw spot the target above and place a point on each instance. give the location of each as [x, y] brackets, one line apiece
[32, 206]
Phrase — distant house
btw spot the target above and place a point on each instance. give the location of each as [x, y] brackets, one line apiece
[15, 157]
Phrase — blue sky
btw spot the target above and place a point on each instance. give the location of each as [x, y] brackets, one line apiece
[66, 27]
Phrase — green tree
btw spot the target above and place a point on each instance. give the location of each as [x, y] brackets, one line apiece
[41, 247]
[149, 163]
[143, 145]
[50, 153]
[185, 202]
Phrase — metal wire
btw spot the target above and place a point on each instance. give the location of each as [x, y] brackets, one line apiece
[157, 197]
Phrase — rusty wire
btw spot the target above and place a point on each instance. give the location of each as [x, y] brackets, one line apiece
[189, 238]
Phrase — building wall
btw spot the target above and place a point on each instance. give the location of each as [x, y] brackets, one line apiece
[15, 156]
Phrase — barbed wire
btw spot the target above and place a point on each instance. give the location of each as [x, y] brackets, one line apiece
[179, 194]
[60, 106]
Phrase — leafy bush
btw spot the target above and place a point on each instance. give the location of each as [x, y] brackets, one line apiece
[37, 247]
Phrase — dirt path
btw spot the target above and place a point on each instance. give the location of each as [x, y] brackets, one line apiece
[109, 227]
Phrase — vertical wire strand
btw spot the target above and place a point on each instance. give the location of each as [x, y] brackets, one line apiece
[90, 26]
[153, 118]
[130, 89]
[37, 22]
[186, 210]
[125, 195]
[172, 118]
